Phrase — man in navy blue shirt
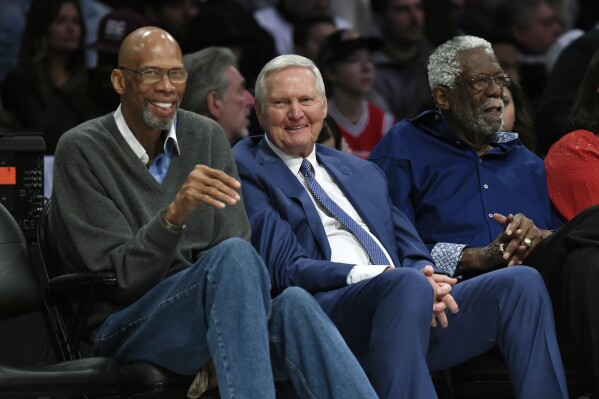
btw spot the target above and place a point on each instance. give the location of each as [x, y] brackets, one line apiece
[477, 197]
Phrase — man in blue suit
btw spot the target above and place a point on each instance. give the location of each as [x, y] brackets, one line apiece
[323, 220]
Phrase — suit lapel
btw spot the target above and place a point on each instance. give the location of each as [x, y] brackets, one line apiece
[292, 188]
[359, 195]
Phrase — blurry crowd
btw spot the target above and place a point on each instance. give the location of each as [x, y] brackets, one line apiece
[56, 57]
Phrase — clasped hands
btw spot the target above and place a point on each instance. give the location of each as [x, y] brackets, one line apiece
[519, 237]
[442, 286]
[517, 240]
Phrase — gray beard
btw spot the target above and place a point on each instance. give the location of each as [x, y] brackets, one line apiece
[160, 122]
[477, 123]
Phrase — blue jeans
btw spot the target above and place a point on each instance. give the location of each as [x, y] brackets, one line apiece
[220, 309]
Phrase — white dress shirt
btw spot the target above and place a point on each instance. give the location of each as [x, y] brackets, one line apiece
[345, 247]
[130, 138]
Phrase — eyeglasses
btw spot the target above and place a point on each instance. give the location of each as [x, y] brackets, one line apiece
[481, 83]
[152, 76]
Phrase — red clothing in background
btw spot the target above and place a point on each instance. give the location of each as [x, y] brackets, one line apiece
[572, 166]
[363, 136]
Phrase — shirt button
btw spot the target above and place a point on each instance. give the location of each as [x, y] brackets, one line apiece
[485, 186]
[490, 215]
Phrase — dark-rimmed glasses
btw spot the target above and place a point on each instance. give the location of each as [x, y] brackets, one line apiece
[481, 83]
[152, 76]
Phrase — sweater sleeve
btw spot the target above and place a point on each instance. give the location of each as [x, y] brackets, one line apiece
[91, 233]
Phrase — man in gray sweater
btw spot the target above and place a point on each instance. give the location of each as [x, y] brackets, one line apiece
[150, 192]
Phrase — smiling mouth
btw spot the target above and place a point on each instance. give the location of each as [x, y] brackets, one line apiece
[293, 128]
[163, 105]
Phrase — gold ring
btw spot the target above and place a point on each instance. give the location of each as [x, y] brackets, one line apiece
[501, 248]
[528, 242]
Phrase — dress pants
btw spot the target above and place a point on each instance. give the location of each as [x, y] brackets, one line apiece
[220, 308]
[386, 322]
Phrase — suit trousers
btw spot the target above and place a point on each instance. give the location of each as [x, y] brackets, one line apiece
[386, 322]
[568, 260]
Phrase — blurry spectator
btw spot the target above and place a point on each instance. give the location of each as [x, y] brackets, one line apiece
[330, 135]
[309, 36]
[279, 20]
[89, 93]
[517, 115]
[507, 55]
[532, 26]
[355, 12]
[572, 163]
[225, 23]
[441, 20]
[12, 24]
[174, 16]
[556, 103]
[400, 80]
[52, 50]
[558, 46]
[348, 72]
[216, 89]
[477, 18]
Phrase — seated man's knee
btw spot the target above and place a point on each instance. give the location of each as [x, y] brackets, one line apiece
[405, 282]
[521, 277]
[296, 299]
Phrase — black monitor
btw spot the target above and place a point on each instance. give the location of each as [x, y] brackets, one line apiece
[22, 178]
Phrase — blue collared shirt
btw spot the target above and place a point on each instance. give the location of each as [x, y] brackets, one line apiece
[450, 193]
[162, 160]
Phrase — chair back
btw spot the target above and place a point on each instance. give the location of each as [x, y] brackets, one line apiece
[20, 291]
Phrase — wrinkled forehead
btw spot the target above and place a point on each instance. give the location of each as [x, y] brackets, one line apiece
[478, 61]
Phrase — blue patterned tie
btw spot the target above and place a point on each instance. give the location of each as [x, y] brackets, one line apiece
[374, 251]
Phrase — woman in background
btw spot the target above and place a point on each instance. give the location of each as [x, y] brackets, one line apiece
[52, 50]
[572, 163]
[517, 115]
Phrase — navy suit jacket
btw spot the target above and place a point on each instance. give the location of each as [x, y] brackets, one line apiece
[287, 230]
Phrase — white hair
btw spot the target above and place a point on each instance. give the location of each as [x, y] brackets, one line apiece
[283, 62]
[444, 63]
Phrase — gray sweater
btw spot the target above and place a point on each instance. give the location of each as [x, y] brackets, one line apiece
[106, 207]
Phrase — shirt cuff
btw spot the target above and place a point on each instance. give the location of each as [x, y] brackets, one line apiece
[364, 272]
[447, 255]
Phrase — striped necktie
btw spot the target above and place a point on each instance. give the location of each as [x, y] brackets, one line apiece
[374, 251]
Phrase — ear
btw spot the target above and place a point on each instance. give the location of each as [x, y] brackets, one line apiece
[325, 107]
[214, 104]
[118, 81]
[441, 98]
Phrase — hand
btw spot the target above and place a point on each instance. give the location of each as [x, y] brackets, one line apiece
[521, 236]
[203, 185]
[442, 286]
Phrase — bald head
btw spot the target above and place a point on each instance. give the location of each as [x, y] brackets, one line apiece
[145, 39]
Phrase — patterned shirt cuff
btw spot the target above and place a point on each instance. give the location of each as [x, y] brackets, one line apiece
[447, 255]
